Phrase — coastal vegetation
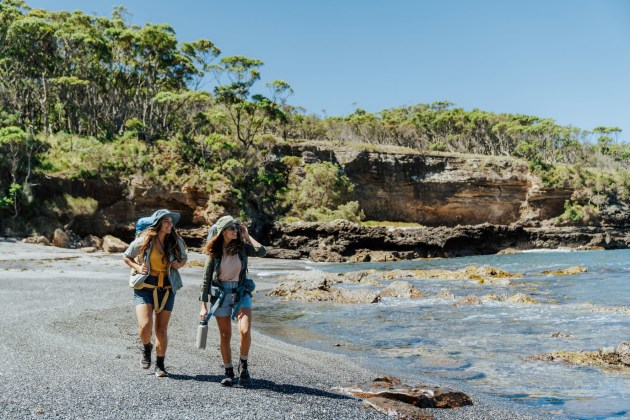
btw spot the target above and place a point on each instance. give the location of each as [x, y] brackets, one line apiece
[89, 97]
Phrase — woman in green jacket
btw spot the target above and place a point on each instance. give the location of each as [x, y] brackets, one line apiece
[225, 278]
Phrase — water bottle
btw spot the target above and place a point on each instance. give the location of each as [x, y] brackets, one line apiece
[202, 334]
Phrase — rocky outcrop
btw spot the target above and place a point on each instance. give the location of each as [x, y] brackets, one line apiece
[566, 271]
[316, 286]
[345, 241]
[516, 298]
[607, 358]
[319, 286]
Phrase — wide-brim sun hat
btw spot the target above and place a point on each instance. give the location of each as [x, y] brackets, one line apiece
[222, 224]
[161, 214]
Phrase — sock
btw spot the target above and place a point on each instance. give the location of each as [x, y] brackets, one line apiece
[160, 361]
[228, 365]
[243, 365]
[148, 347]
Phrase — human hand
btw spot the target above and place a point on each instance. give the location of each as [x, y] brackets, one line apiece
[203, 312]
[245, 233]
[142, 269]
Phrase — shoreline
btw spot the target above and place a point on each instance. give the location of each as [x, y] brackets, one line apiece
[71, 352]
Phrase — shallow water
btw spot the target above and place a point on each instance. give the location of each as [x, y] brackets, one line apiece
[480, 347]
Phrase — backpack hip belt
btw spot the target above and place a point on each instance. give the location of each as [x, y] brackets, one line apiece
[160, 286]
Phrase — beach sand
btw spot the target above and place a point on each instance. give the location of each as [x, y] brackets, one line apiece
[70, 349]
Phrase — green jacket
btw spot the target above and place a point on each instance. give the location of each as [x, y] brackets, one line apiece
[211, 269]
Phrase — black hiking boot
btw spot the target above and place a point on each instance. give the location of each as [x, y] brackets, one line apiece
[229, 377]
[160, 370]
[146, 356]
[244, 378]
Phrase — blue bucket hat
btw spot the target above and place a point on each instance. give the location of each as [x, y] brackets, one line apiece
[162, 213]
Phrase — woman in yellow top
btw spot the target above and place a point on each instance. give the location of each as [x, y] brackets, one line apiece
[163, 253]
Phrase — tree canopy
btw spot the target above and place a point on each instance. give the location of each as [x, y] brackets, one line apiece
[101, 97]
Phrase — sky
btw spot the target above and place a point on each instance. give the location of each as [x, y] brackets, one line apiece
[568, 60]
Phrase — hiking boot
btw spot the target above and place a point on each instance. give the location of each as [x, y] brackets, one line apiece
[146, 356]
[244, 373]
[229, 377]
[160, 370]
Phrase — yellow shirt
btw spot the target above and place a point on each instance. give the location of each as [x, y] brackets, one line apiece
[158, 265]
[157, 260]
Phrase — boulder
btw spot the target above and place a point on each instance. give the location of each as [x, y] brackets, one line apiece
[37, 240]
[308, 286]
[467, 300]
[61, 239]
[362, 277]
[401, 289]
[324, 255]
[92, 241]
[445, 294]
[616, 356]
[355, 296]
[113, 244]
[521, 298]
[561, 335]
[285, 254]
[390, 396]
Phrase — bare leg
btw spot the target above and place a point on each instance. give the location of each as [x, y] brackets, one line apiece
[144, 313]
[161, 329]
[225, 329]
[244, 324]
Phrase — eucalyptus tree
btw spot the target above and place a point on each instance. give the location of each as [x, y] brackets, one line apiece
[18, 156]
[91, 75]
[248, 112]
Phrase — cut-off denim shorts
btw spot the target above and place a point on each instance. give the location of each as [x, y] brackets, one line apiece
[145, 296]
[230, 300]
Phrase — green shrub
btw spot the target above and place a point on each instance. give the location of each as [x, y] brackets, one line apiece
[577, 214]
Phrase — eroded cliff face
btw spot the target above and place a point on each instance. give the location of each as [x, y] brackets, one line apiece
[439, 189]
[120, 204]
[466, 205]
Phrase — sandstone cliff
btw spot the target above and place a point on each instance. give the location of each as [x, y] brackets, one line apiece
[438, 189]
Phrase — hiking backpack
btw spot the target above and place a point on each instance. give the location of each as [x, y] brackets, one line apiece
[142, 224]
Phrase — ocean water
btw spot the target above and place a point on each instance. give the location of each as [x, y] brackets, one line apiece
[485, 347]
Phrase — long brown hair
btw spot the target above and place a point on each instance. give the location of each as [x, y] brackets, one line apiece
[171, 242]
[214, 247]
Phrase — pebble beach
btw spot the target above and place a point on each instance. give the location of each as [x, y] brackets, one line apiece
[70, 350]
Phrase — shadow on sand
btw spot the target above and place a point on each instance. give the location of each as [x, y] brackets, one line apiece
[265, 385]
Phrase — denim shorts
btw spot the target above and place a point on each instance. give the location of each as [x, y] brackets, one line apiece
[145, 296]
[230, 300]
